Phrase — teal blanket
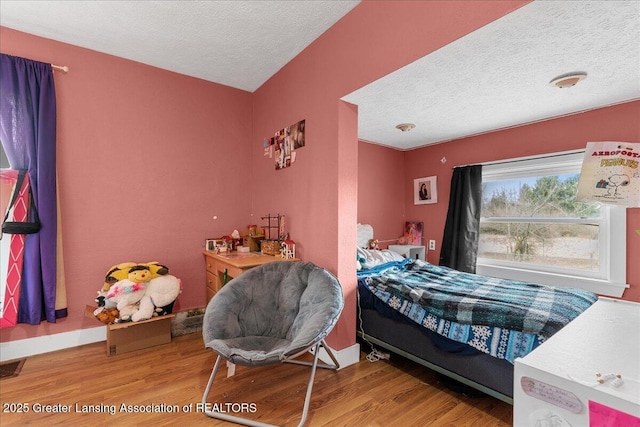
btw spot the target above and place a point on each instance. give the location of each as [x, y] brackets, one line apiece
[479, 300]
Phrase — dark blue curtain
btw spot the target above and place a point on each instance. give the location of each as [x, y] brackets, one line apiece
[462, 228]
[28, 136]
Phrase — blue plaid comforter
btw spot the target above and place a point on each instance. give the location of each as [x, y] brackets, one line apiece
[479, 300]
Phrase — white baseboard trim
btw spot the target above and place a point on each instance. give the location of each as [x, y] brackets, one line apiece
[345, 357]
[44, 344]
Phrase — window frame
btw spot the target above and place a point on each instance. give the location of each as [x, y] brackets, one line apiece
[610, 280]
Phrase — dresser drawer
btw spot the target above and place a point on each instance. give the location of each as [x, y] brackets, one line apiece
[229, 269]
[210, 264]
[213, 282]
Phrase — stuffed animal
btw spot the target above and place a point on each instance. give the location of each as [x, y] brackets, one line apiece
[125, 285]
[102, 301]
[139, 274]
[107, 315]
[126, 294]
[122, 271]
[160, 292]
[156, 269]
[116, 273]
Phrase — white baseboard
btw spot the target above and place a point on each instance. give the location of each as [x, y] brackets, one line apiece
[345, 357]
[44, 344]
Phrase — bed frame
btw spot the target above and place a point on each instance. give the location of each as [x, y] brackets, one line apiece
[482, 372]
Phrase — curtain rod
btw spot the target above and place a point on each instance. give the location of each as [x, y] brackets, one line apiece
[521, 159]
[62, 68]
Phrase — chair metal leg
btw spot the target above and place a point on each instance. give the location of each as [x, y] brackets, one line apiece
[307, 399]
[316, 348]
[222, 416]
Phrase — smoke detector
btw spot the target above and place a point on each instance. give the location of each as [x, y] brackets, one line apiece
[568, 80]
[405, 127]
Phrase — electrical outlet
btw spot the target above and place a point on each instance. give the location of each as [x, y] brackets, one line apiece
[432, 245]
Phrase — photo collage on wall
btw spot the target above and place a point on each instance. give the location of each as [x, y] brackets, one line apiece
[283, 145]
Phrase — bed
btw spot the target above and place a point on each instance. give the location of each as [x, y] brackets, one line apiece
[467, 327]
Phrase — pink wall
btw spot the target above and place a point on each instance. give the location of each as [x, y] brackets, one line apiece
[146, 158]
[381, 187]
[616, 123]
[125, 128]
[314, 193]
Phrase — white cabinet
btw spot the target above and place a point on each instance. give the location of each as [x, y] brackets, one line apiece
[409, 251]
[557, 383]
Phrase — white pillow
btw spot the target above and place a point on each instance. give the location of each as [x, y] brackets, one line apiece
[369, 258]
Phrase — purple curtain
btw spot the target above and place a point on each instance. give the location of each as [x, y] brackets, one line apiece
[28, 136]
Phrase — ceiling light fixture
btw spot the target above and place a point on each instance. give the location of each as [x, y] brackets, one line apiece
[568, 80]
[405, 127]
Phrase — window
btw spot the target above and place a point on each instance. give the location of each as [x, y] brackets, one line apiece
[532, 229]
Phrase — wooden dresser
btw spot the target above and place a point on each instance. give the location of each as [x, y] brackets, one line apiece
[225, 266]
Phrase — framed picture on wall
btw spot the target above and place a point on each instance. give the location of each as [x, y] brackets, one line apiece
[425, 190]
[413, 233]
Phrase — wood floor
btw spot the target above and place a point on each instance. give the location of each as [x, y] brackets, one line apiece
[169, 380]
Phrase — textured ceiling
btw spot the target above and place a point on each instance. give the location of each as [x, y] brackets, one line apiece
[498, 76]
[236, 43]
[494, 78]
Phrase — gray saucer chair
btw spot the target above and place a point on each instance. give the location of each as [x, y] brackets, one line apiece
[271, 314]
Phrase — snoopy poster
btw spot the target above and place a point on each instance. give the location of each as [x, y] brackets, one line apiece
[611, 173]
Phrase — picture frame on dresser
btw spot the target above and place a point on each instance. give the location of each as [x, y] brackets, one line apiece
[425, 190]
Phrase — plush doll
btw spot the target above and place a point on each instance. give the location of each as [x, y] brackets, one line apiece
[122, 271]
[157, 269]
[107, 315]
[139, 274]
[131, 279]
[160, 292]
[126, 294]
[106, 312]
[102, 300]
[116, 273]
